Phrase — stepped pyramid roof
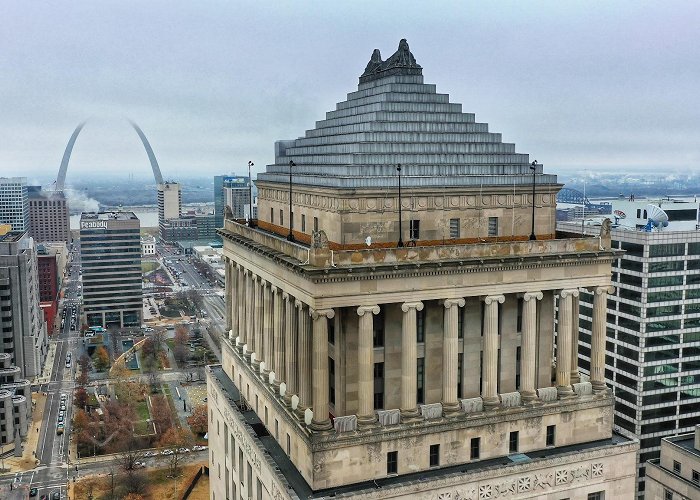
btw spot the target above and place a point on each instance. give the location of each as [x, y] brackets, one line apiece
[395, 118]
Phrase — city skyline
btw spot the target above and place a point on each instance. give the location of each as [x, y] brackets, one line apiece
[213, 85]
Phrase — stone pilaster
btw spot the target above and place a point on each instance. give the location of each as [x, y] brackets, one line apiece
[232, 307]
[241, 300]
[489, 368]
[409, 332]
[598, 334]
[575, 376]
[278, 334]
[257, 324]
[248, 337]
[529, 347]
[304, 357]
[563, 381]
[321, 421]
[230, 287]
[450, 354]
[365, 360]
[290, 348]
[266, 336]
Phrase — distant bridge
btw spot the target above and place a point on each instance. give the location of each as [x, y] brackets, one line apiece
[61, 179]
[573, 196]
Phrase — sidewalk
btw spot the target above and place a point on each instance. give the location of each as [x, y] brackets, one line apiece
[48, 365]
[28, 459]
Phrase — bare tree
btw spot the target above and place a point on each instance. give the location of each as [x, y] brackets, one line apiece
[176, 440]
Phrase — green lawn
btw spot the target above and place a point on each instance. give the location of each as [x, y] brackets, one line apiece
[148, 266]
[142, 410]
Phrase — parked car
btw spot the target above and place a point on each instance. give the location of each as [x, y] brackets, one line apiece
[166, 452]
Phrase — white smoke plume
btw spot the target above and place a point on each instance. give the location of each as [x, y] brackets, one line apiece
[78, 201]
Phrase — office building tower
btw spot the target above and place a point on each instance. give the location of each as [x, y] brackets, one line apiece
[386, 345]
[14, 203]
[169, 203]
[49, 218]
[22, 325]
[653, 325]
[15, 401]
[232, 191]
[110, 259]
[676, 473]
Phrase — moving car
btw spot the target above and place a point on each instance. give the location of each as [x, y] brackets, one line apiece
[33, 492]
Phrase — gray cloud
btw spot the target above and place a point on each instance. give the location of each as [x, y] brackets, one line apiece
[214, 84]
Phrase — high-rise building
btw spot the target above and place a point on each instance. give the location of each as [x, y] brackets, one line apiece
[653, 325]
[401, 344]
[14, 203]
[232, 191]
[22, 324]
[15, 401]
[49, 217]
[676, 473]
[110, 259]
[169, 203]
[51, 259]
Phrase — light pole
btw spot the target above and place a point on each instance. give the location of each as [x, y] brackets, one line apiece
[400, 243]
[533, 167]
[251, 223]
[290, 236]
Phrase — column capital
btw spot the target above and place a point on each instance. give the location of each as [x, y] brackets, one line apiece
[246, 272]
[448, 303]
[274, 289]
[607, 289]
[298, 303]
[532, 295]
[367, 309]
[263, 282]
[494, 298]
[418, 306]
[286, 296]
[573, 292]
[254, 277]
[318, 313]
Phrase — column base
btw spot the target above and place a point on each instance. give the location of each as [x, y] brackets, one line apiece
[450, 410]
[256, 365]
[575, 377]
[565, 392]
[411, 415]
[491, 403]
[528, 397]
[287, 399]
[265, 376]
[324, 425]
[599, 387]
[276, 387]
[367, 421]
[300, 411]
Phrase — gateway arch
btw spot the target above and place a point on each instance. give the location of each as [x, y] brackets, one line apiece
[60, 180]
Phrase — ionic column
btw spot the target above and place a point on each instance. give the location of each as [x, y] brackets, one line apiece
[365, 357]
[248, 337]
[321, 421]
[258, 322]
[229, 294]
[232, 305]
[290, 347]
[489, 368]
[304, 357]
[598, 333]
[575, 376]
[242, 298]
[564, 344]
[529, 347]
[277, 333]
[266, 331]
[450, 353]
[409, 334]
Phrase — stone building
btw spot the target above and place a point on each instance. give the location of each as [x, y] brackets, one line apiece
[676, 473]
[15, 401]
[49, 217]
[169, 204]
[402, 345]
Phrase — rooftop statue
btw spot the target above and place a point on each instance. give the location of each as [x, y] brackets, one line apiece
[401, 62]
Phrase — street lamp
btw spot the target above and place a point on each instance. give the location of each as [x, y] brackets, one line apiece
[290, 236]
[251, 223]
[533, 167]
[400, 243]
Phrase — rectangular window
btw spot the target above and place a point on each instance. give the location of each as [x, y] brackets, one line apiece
[420, 379]
[434, 455]
[378, 386]
[331, 380]
[459, 376]
[241, 470]
[225, 440]
[676, 467]
[392, 462]
[378, 329]
[281, 217]
[303, 223]
[475, 448]
[493, 226]
[272, 215]
[598, 495]
[316, 224]
[519, 321]
[696, 477]
[414, 229]
[289, 445]
[513, 442]
[551, 434]
[454, 228]
[668, 494]
[460, 324]
[420, 325]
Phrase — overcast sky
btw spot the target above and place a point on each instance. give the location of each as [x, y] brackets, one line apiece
[590, 85]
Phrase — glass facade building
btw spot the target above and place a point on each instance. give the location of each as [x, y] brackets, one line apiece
[110, 253]
[14, 203]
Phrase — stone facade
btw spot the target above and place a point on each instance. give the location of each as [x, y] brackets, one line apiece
[15, 401]
[353, 360]
[676, 473]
